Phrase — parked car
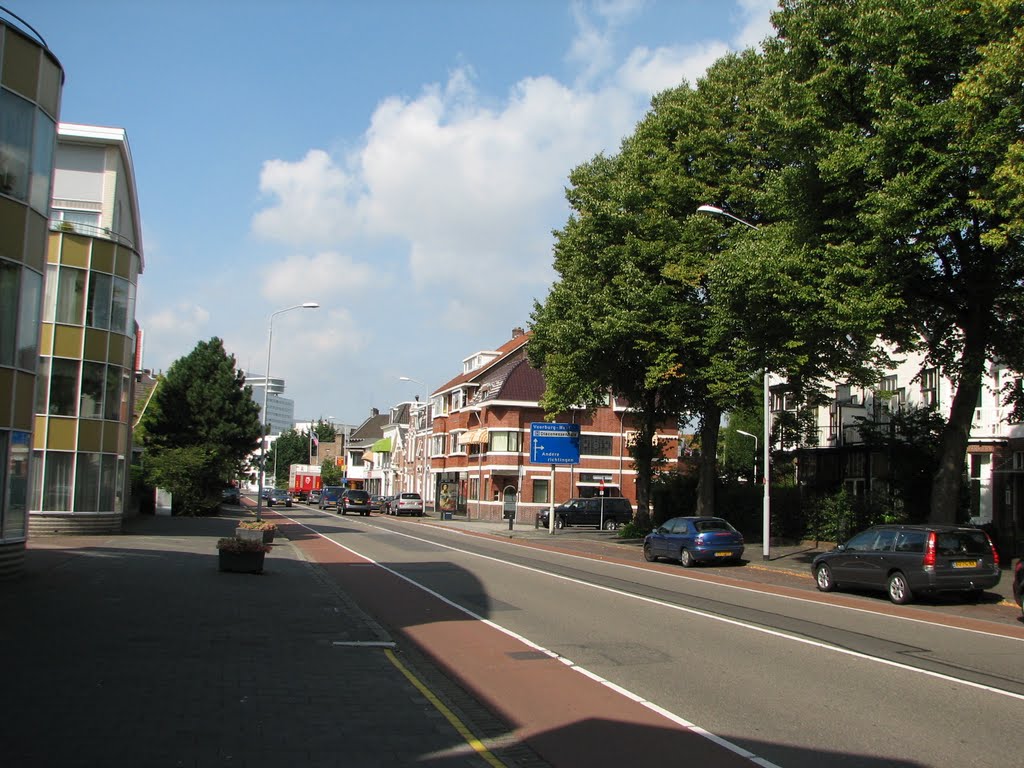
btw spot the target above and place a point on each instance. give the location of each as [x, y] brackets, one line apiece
[407, 504]
[904, 560]
[692, 540]
[329, 496]
[385, 505]
[313, 497]
[603, 512]
[280, 496]
[1018, 584]
[354, 501]
[231, 496]
[265, 492]
[377, 502]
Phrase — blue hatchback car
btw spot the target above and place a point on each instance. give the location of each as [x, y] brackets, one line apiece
[692, 540]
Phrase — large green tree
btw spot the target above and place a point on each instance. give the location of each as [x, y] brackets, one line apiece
[201, 419]
[290, 447]
[905, 117]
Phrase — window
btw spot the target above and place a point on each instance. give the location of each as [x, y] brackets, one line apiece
[910, 541]
[91, 402]
[28, 318]
[70, 295]
[8, 308]
[42, 163]
[87, 482]
[457, 399]
[119, 306]
[97, 312]
[15, 144]
[595, 445]
[503, 441]
[57, 482]
[16, 446]
[437, 445]
[540, 491]
[930, 386]
[112, 404]
[63, 387]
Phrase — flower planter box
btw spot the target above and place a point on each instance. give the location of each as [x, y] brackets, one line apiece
[241, 562]
[250, 534]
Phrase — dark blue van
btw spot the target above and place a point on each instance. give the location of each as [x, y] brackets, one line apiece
[330, 496]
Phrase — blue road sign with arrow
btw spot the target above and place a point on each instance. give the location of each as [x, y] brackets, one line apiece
[552, 443]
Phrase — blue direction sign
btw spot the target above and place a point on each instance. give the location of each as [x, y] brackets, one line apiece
[554, 443]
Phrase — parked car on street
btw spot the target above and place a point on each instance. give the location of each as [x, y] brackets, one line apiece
[1018, 584]
[603, 512]
[313, 497]
[329, 496]
[904, 560]
[231, 496]
[280, 496]
[354, 500]
[407, 504]
[385, 504]
[377, 502]
[265, 492]
[692, 540]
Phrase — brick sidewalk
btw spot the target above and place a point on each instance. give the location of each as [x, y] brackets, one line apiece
[134, 650]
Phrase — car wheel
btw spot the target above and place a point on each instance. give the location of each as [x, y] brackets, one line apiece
[686, 558]
[611, 525]
[899, 590]
[649, 556]
[559, 523]
[823, 578]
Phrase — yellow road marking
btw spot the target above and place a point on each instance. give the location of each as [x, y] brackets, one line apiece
[450, 716]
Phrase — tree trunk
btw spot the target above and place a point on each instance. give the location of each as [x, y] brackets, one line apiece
[643, 455]
[707, 477]
[948, 480]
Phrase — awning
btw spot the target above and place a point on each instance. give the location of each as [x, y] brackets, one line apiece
[382, 446]
[473, 437]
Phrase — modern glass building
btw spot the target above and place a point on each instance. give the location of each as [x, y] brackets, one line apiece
[82, 433]
[31, 81]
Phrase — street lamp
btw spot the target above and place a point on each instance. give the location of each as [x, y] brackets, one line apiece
[766, 523]
[266, 390]
[741, 432]
[424, 441]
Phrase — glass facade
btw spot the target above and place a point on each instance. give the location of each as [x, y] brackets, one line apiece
[30, 86]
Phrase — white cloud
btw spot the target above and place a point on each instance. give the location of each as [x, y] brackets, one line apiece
[183, 317]
[310, 200]
[320, 277]
[754, 16]
[652, 71]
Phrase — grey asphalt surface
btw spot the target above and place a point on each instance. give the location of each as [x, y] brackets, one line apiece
[135, 650]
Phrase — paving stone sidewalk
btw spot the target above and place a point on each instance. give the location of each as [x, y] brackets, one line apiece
[135, 650]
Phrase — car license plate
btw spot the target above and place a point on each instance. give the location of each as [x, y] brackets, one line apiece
[965, 563]
[723, 554]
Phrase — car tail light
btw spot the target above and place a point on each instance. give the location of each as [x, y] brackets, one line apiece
[995, 552]
[929, 551]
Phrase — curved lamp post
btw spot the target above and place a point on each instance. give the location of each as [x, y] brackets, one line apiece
[426, 451]
[266, 390]
[766, 523]
[741, 432]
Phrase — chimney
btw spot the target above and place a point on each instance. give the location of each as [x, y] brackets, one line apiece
[517, 332]
[374, 412]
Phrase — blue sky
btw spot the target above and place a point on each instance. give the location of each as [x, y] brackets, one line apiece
[400, 162]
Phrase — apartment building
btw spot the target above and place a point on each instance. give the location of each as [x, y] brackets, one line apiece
[835, 453]
[479, 441]
[83, 428]
[31, 83]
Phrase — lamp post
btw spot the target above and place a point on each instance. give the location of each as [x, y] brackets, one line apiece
[766, 523]
[741, 432]
[266, 421]
[425, 406]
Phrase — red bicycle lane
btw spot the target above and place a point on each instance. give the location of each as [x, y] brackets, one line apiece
[565, 715]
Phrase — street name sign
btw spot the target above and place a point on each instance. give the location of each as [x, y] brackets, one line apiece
[552, 443]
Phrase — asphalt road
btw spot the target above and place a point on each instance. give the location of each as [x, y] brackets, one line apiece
[597, 661]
